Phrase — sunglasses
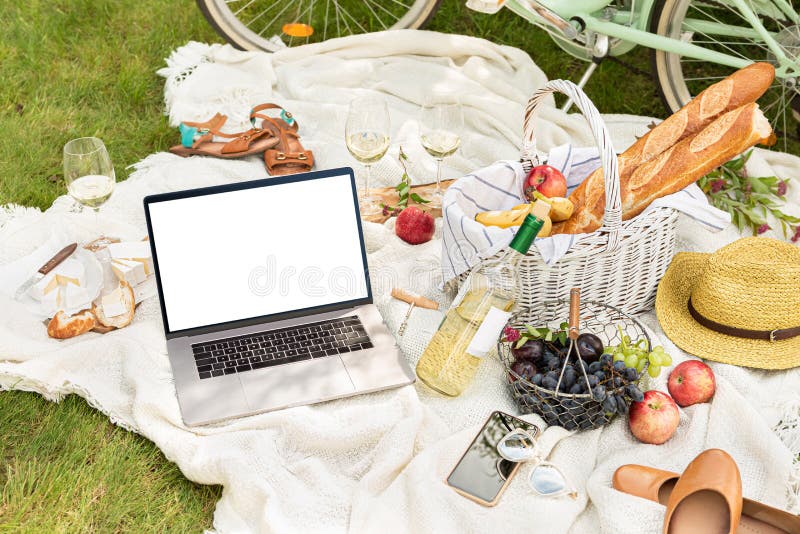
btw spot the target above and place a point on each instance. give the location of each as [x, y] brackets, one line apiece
[546, 478]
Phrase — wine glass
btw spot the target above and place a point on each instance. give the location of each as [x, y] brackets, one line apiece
[440, 125]
[367, 138]
[89, 174]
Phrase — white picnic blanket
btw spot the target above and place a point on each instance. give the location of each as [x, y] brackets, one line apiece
[376, 463]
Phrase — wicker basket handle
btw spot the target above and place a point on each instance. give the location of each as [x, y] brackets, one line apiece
[612, 218]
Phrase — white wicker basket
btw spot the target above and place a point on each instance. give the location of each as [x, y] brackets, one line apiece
[622, 262]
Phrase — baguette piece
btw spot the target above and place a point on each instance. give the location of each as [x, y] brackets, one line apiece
[742, 87]
[683, 164]
[125, 294]
[63, 327]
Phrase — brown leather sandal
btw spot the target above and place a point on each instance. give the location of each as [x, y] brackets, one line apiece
[197, 138]
[288, 156]
[657, 485]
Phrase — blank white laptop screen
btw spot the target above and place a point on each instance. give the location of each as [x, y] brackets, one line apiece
[261, 251]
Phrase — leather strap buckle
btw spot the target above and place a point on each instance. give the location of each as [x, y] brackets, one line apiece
[302, 156]
[280, 156]
[772, 336]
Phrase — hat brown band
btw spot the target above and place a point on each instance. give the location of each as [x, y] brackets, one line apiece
[767, 335]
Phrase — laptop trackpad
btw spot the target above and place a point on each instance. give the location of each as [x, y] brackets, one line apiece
[296, 383]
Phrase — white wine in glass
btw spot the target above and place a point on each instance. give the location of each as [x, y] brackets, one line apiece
[88, 172]
[440, 125]
[367, 138]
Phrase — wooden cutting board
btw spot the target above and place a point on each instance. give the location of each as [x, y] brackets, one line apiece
[388, 196]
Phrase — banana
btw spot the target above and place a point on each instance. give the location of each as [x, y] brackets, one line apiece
[513, 217]
[560, 208]
[504, 219]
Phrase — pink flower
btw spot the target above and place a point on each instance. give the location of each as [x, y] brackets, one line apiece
[511, 334]
[763, 228]
[782, 188]
[796, 236]
[717, 185]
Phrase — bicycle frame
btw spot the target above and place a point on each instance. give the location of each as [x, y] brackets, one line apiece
[599, 16]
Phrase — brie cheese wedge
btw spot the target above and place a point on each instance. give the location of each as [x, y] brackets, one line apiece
[129, 271]
[69, 272]
[113, 304]
[138, 251]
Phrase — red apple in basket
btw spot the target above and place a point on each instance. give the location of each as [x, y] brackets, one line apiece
[655, 419]
[547, 180]
[691, 382]
[414, 226]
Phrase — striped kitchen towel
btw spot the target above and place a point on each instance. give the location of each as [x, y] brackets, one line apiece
[500, 187]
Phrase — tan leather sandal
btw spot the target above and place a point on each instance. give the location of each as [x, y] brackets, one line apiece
[197, 138]
[657, 485]
[288, 156]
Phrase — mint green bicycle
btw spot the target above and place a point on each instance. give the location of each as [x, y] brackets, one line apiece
[694, 42]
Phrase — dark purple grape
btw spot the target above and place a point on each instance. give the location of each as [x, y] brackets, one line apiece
[618, 382]
[594, 367]
[532, 350]
[575, 389]
[593, 380]
[524, 368]
[537, 379]
[622, 406]
[549, 383]
[600, 375]
[634, 393]
[619, 366]
[599, 393]
[606, 359]
[631, 374]
[552, 374]
[553, 364]
[590, 347]
[610, 405]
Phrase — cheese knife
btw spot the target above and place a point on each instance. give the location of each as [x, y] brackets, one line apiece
[51, 264]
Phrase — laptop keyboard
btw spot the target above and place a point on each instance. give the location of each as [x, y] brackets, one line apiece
[277, 347]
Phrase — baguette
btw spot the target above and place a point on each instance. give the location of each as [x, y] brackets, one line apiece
[742, 87]
[63, 327]
[681, 165]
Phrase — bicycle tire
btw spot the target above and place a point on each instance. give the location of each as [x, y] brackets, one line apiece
[235, 32]
[671, 80]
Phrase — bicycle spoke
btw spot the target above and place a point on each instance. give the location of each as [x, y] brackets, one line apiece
[369, 6]
[346, 24]
[404, 5]
[269, 24]
[377, 4]
[248, 4]
[264, 11]
[347, 14]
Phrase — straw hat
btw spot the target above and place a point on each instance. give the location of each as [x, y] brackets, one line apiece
[739, 305]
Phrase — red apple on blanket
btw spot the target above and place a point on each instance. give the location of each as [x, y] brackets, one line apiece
[654, 419]
[547, 180]
[691, 382]
[414, 226]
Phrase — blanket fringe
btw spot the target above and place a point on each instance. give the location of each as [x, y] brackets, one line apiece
[10, 381]
[13, 211]
[788, 429]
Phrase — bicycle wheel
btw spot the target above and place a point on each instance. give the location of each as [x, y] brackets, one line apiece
[719, 26]
[275, 24]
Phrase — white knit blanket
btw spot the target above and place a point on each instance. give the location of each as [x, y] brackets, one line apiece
[376, 463]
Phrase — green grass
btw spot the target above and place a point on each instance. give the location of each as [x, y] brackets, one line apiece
[65, 468]
[73, 68]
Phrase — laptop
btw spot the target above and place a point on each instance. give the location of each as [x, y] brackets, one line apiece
[266, 298]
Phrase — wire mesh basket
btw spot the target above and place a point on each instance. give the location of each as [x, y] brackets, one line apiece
[572, 411]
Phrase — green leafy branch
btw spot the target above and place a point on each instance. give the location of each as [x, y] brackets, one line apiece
[749, 199]
[403, 189]
[544, 334]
